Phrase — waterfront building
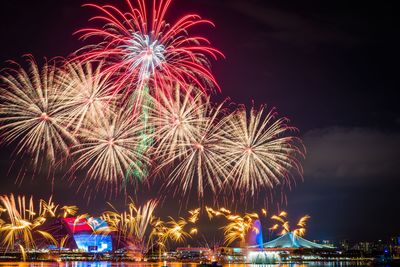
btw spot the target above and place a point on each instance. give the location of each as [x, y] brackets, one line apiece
[84, 235]
[287, 247]
[193, 254]
[293, 241]
[255, 236]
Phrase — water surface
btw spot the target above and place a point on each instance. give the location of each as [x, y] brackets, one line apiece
[140, 264]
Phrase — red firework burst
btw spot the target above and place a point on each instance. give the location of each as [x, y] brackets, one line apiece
[141, 49]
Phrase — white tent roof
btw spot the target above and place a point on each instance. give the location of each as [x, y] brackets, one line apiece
[290, 240]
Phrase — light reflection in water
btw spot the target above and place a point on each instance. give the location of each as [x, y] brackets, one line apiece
[136, 264]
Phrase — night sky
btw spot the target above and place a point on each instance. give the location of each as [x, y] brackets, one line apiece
[330, 66]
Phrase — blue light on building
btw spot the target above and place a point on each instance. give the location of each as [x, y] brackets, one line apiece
[97, 223]
[254, 237]
[93, 243]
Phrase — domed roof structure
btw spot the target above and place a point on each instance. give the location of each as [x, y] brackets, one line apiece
[290, 240]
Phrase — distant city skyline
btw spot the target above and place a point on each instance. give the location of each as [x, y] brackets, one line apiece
[328, 66]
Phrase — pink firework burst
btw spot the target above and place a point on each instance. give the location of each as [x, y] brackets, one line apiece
[143, 50]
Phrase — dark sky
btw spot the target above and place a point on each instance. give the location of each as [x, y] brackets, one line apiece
[330, 66]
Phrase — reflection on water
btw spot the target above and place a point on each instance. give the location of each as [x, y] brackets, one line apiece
[136, 264]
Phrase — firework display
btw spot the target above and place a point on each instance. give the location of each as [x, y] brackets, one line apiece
[24, 227]
[136, 107]
[283, 224]
[31, 112]
[107, 149]
[239, 226]
[200, 162]
[177, 119]
[131, 226]
[142, 49]
[85, 95]
[22, 221]
[27, 225]
[260, 149]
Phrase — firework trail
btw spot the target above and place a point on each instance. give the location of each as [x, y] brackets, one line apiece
[238, 226]
[176, 231]
[20, 227]
[177, 119]
[194, 215]
[199, 162]
[260, 149]
[283, 223]
[138, 228]
[141, 96]
[106, 150]
[143, 50]
[69, 211]
[131, 226]
[146, 55]
[30, 112]
[84, 94]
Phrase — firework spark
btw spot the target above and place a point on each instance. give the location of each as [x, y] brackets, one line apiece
[21, 222]
[199, 161]
[107, 150]
[69, 210]
[260, 150]
[177, 119]
[159, 235]
[89, 112]
[194, 215]
[85, 94]
[143, 49]
[30, 112]
[176, 230]
[131, 226]
[264, 211]
[284, 224]
[221, 212]
[301, 226]
[193, 231]
[238, 227]
[173, 230]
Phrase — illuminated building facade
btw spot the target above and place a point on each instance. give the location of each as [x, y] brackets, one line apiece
[290, 240]
[254, 237]
[85, 237]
